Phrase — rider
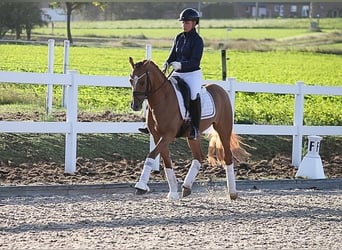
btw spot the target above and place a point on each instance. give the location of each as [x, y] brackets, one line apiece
[185, 58]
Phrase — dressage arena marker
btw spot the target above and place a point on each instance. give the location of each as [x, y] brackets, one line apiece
[311, 167]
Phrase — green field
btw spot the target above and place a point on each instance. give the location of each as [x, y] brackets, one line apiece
[153, 33]
[279, 51]
[290, 53]
[269, 67]
[243, 33]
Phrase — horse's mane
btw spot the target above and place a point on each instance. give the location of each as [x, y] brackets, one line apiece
[148, 62]
[145, 62]
[141, 63]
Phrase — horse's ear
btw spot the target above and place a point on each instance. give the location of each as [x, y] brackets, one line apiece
[131, 61]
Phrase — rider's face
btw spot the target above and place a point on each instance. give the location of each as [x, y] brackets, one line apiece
[188, 25]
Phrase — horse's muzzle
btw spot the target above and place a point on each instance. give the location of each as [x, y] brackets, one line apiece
[136, 106]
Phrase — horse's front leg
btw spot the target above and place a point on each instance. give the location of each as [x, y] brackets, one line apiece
[162, 148]
[170, 176]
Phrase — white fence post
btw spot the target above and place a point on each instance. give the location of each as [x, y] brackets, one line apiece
[152, 145]
[51, 55]
[148, 51]
[71, 119]
[65, 69]
[148, 56]
[231, 93]
[298, 123]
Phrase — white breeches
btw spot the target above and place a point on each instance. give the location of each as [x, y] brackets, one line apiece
[193, 79]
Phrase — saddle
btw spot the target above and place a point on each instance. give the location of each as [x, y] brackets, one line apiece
[183, 96]
[184, 89]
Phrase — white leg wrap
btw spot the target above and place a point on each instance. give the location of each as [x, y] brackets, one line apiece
[231, 185]
[173, 185]
[192, 173]
[145, 175]
[155, 166]
[156, 163]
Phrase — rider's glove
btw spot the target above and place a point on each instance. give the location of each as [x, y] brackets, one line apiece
[176, 66]
[165, 66]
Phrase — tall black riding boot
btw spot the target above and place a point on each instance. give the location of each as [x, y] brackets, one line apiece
[195, 113]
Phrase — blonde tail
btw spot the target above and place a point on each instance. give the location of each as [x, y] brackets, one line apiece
[216, 150]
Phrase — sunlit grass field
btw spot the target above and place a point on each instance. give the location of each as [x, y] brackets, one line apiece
[222, 30]
[206, 33]
[247, 65]
[292, 23]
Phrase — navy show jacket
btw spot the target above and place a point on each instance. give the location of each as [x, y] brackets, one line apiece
[187, 49]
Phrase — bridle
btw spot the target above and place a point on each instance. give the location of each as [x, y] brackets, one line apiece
[135, 81]
[148, 91]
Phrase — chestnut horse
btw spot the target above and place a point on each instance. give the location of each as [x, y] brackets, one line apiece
[165, 123]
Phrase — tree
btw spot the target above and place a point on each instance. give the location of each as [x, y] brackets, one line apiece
[33, 17]
[4, 11]
[69, 8]
[19, 16]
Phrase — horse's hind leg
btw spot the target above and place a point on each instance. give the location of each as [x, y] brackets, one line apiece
[225, 136]
[231, 184]
[195, 146]
[170, 175]
[173, 184]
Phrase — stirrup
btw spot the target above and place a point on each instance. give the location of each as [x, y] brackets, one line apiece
[144, 130]
[193, 133]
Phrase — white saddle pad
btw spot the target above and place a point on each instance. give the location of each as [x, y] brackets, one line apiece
[207, 103]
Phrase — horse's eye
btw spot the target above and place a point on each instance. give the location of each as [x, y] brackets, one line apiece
[142, 83]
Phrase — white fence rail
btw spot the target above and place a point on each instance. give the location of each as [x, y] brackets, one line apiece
[71, 127]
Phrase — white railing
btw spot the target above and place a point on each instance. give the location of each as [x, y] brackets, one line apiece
[71, 127]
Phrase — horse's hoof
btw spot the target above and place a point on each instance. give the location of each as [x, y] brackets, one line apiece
[141, 188]
[173, 196]
[186, 191]
[233, 196]
[139, 191]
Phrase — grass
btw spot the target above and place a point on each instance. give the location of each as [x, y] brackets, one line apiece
[153, 33]
[279, 23]
[276, 51]
[160, 32]
[35, 148]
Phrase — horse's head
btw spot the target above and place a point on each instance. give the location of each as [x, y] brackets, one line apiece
[144, 81]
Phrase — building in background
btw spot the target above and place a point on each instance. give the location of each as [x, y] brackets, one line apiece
[226, 10]
[287, 10]
[53, 15]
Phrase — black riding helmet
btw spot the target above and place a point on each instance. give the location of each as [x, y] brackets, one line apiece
[189, 14]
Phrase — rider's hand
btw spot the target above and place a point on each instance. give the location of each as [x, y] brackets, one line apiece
[165, 66]
[176, 65]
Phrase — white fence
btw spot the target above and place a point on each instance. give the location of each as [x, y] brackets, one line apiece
[71, 127]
